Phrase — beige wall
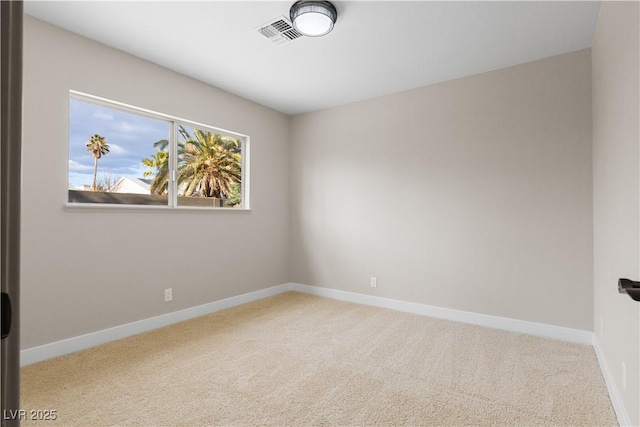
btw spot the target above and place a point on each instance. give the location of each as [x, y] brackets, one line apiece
[616, 192]
[87, 271]
[473, 194]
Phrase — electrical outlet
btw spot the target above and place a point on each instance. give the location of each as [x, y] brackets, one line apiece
[374, 282]
[624, 376]
[168, 294]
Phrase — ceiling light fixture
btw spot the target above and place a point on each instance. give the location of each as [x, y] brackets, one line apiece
[313, 18]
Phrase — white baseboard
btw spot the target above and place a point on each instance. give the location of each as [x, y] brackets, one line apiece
[512, 325]
[71, 345]
[616, 400]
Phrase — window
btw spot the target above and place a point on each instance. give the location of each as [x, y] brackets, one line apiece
[122, 155]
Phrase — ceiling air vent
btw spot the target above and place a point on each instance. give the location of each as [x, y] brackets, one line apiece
[279, 30]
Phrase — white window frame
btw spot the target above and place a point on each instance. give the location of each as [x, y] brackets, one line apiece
[174, 122]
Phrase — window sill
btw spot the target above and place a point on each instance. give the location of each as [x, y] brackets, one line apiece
[95, 207]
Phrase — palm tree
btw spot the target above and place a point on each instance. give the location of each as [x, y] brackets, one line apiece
[235, 197]
[159, 164]
[98, 147]
[208, 164]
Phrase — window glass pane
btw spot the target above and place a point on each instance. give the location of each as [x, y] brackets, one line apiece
[122, 155]
[209, 168]
[116, 157]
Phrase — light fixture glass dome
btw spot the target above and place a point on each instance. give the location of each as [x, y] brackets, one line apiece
[313, 18]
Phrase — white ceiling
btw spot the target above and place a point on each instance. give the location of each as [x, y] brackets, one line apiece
[376, 47]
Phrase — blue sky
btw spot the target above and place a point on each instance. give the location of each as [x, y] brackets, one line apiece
[130, 137]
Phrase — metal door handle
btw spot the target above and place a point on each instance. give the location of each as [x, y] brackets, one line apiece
[629, 287]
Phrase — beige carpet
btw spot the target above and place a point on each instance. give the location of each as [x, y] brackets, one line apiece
[297, 359]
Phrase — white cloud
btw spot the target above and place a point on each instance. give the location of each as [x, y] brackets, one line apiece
[127, 127]
[116, 149]
[77, 166]
[102, 115]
